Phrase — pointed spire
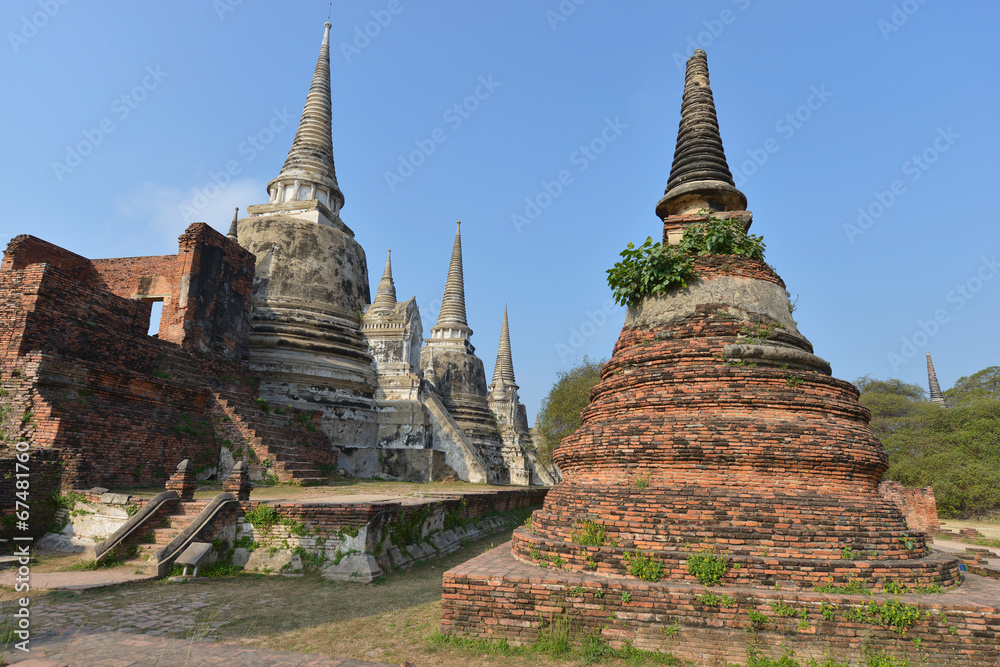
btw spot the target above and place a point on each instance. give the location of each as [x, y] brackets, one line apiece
[700, 176]
[932, 381]
[309, 168]
[453, 304]
[232, 227]
[504, 371]
[385, 297]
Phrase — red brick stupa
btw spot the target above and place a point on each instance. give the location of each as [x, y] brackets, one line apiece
[716, 448]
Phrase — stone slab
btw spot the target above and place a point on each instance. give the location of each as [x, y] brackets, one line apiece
[194, 553]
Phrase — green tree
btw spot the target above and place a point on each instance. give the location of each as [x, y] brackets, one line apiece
[984, 384]
[559, 415]
[956, 450]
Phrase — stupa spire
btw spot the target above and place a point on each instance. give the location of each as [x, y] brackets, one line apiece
[932, 382]
[504, 371]
[700, 176]
[453, 304]
[386, 294]
[232, 226]
[309, 171]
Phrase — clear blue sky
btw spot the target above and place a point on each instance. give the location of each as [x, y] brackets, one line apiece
[887, 82]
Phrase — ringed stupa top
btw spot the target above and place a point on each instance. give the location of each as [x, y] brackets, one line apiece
[452, 316]
[385, 297]
[504, 370]
[700, 176]
[309, 171]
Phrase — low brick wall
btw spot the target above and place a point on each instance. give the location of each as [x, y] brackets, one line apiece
[496, 596]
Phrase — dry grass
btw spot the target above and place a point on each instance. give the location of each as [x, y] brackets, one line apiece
[990, 529]
[397, 636]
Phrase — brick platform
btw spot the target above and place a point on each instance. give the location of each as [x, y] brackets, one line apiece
[495, 595]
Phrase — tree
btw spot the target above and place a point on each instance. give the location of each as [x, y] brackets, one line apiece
[559, 415]
[984, 384]
[955, 450]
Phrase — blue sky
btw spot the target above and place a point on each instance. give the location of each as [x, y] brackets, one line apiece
[864, 135]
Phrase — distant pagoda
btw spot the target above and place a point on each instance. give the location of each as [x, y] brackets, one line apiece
[932, 384]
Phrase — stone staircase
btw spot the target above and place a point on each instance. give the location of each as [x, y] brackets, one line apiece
[293, 453]
[278, 435]
[161, 535]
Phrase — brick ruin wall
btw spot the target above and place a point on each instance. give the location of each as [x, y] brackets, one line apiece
[79, 372]
[918, 505]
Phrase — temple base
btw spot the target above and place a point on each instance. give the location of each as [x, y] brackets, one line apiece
[495, 596]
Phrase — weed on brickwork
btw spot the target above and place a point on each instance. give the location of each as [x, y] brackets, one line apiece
[707, 567]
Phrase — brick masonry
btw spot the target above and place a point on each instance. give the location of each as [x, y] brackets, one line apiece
[496, 596]
[918, 505]
[80, 375]
[764, 464]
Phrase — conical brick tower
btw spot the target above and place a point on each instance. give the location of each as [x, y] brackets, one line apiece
[717, 450]
[716, 430]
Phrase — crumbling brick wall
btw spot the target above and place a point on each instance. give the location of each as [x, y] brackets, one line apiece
[918, 505]
[79, 372]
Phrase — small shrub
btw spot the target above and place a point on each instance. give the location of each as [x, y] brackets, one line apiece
[643, 567]
[591, 533]
[262, 516]
[708, 567]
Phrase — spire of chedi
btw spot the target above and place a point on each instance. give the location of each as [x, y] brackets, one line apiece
[700, 176]
[385, 296]
[309, 172]
[503, 373]
[311, 283]
[932, 382]
[451, 322]
[232, 226]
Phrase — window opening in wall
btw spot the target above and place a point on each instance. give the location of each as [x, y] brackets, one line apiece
[154, 317]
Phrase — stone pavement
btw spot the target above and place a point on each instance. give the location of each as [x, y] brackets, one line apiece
[76, 580]
[122, 649]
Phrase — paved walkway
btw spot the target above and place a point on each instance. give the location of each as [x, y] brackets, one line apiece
[122, 649]
[77, 580]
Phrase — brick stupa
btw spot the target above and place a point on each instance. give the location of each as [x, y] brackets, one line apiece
[713, 432]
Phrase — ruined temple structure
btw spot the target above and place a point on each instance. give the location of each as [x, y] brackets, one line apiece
[715, 438]
[456, 374]
[932, 384]
[269, 351]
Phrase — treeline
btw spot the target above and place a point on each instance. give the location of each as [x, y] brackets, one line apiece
[955, 449]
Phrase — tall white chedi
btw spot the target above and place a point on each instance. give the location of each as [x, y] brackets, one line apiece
[311, 283]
